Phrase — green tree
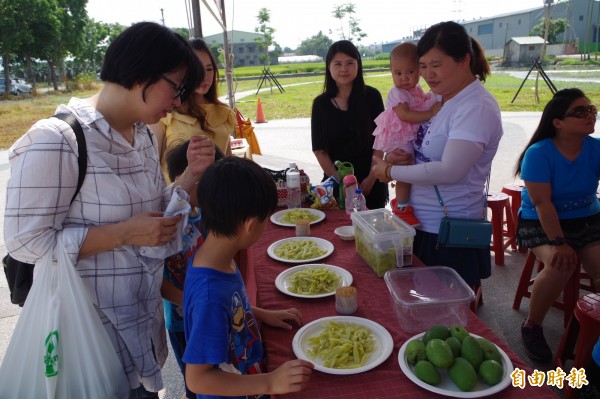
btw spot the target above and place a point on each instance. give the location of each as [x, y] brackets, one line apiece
[347, 11]
[264, 17]
[317, 45]
[14, 31]
[97, 37]
[557, 26]
[184, 32]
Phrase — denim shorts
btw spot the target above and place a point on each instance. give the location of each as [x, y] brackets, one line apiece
[578, 232]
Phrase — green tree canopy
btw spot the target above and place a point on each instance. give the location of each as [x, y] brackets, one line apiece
[264, 17]
[317, 45]
[346, 11]
[557, 26]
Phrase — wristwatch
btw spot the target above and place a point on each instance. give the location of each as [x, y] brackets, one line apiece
[557, 241]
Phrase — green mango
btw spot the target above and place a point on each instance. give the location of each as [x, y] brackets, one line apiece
[471, 351]
[439, 353]
[415, 351]
[491, 372]
[458, 332]
[425, 371]
[490, 351]
[455, 345]
[463, 374]
[440, 332]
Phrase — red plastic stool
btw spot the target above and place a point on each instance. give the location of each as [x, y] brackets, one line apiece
[513, 190]
[580, 337]
[570, 292]
[502, 225]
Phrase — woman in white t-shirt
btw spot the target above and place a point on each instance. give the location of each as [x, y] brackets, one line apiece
[453, 150]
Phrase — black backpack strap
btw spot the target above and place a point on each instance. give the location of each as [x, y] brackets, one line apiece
[81, 147]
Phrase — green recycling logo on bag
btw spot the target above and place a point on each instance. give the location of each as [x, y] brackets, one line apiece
[51, 356]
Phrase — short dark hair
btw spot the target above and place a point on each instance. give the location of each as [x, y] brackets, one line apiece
[145, 51]
[176, 159]
[452, 39]
[232, 191]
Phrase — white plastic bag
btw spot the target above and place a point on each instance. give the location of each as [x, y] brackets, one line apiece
[59, 347]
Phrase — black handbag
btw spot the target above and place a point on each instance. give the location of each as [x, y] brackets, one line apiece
[20, 274]
[464, 233]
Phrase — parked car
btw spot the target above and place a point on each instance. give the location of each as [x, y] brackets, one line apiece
[21, 86]
[17, 86]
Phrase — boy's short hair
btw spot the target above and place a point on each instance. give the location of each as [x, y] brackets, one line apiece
[232, 191]
[176, 159]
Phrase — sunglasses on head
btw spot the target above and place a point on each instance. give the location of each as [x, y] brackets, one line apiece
[179, 90]
[582, 112]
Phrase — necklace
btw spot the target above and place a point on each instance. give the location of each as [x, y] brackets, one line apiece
[335, 103]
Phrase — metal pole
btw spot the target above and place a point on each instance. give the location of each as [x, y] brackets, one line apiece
[197, 31]
[228, 60]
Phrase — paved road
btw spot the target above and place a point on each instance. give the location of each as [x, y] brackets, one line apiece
[282, 141]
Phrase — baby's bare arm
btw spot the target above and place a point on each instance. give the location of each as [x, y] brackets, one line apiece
[405, 114]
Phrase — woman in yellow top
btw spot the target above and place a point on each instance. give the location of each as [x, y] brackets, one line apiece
[202, 113]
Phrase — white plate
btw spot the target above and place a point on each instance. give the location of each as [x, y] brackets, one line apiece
[281, 282]
[384, 344]
[323, 244]
[277, 216]
[447, 387]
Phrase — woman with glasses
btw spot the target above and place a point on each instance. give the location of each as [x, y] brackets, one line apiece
[115, 227]
[559, 219]
[201, 113]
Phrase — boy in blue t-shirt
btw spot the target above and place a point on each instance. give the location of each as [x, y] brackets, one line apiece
[175, 265]
[224, 356]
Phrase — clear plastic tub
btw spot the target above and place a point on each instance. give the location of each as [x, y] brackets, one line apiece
[383, 239]
[427, 296]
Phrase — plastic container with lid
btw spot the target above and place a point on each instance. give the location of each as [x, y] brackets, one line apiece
[382, 239]
[428, 296]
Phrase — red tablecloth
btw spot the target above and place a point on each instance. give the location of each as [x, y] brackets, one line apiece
[374, 302]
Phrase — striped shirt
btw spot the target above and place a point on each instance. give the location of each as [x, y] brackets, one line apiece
[121, 181]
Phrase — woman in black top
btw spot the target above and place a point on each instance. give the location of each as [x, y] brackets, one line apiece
[342, 121]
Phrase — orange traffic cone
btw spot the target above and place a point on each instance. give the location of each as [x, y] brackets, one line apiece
[260, 115]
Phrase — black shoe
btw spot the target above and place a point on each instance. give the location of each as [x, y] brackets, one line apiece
[535, 344]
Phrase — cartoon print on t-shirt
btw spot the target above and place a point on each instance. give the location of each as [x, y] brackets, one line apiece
[419, 144]
[245, 334]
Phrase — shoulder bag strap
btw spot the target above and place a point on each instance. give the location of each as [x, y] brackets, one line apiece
[487, 188]
[81, 147]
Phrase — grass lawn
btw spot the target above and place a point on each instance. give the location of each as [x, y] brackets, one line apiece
[18, 114]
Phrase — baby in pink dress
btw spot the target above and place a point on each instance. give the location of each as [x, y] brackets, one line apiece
[407, 105]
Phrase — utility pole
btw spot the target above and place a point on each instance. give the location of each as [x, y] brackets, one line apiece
[162, 16]
[197, 32]
[228, 60]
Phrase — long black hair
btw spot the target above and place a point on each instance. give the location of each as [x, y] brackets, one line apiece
[556, 108]
[357, 103]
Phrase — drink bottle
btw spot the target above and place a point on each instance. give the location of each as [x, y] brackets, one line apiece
[292, 180]
[350, 186]
[359, 202]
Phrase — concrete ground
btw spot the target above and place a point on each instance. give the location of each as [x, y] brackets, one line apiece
[283, 141]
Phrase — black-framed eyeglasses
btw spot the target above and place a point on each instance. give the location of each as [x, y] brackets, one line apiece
[582, 112]
[179, 90]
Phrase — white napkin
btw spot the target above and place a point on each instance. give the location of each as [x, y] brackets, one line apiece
[179, 205]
